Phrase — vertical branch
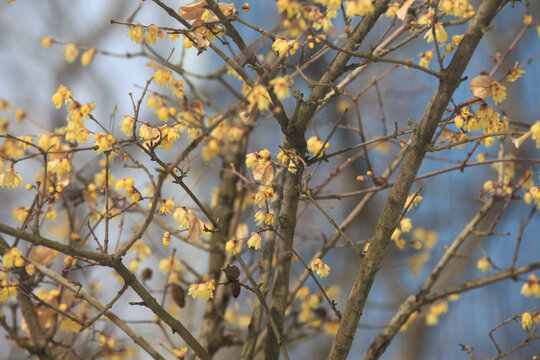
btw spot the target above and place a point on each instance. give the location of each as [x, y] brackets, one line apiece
[211, 331]
[106, 240]
[265, 269]
[280, 291]
[421, 137]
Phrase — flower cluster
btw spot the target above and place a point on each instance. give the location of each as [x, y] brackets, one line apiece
[203, 290]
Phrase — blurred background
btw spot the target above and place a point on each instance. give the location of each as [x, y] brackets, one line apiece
[29, 76]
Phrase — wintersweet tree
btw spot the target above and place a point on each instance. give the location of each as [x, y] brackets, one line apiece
[276, 179]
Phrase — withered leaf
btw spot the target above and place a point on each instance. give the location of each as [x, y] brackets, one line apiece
[481, 86]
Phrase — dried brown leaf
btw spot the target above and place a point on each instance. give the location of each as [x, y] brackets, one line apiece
[481, 86]
[195, 226]
[264, 173]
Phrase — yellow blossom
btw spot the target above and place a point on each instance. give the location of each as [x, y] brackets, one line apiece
[62, 94]
[71, 52]
[59, 166]
[127, 125]
[167, 206]
[440, 33]
[425, 60]
[234, 246]
[88, 56]
[498, 92]
[320, 267]
[178, 88]
[103, 141]
[315, 145]
[203, 290]
[281, 87]
[535, 131]
[254, 241]
[259, 96]
[531, 287]
[435, 310]
[416, 201]
[281, 46]
[166, 238]
[169, 264]
[262, 216]
[528, 20]
[151, 34]
[46, 42]
[210, 150]
[484, 264]
[359, 7]
[51, 214]
[514, 73]
[180, 353]
[10, 178]
[526, 320]
[136, 33]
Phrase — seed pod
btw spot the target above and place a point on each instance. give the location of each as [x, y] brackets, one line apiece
[146, 274]
[232, 272]
[179, 295]
[235, 288]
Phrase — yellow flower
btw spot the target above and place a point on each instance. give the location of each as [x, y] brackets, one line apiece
[528, 20]
[281, 46]
[514, 73]
[254, 241]
[416, 201]
[166, 238]
[178, 88]
[314, 145]
[169, 264]
[210, 150]
[535, 131]
[259, 96]
[167, 206]
[203, 290]
[88, 56]
[531, 286]
[526, 320]
[320, 267]
[136, 33]
[425, 60]
[10, 178]
[234, 246]
[71, 52]
[262, 216]
[498, 91]
[103, 141]
[46, 42]
[127, 125]
[62, 94]
[405, 225]
[484, 264]
[180, 353]
[281, 87]
[59, 166]
[163, 77]
[359, 7]
[20, 213]
[152, 33]
[439, 308]
[440, 33]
